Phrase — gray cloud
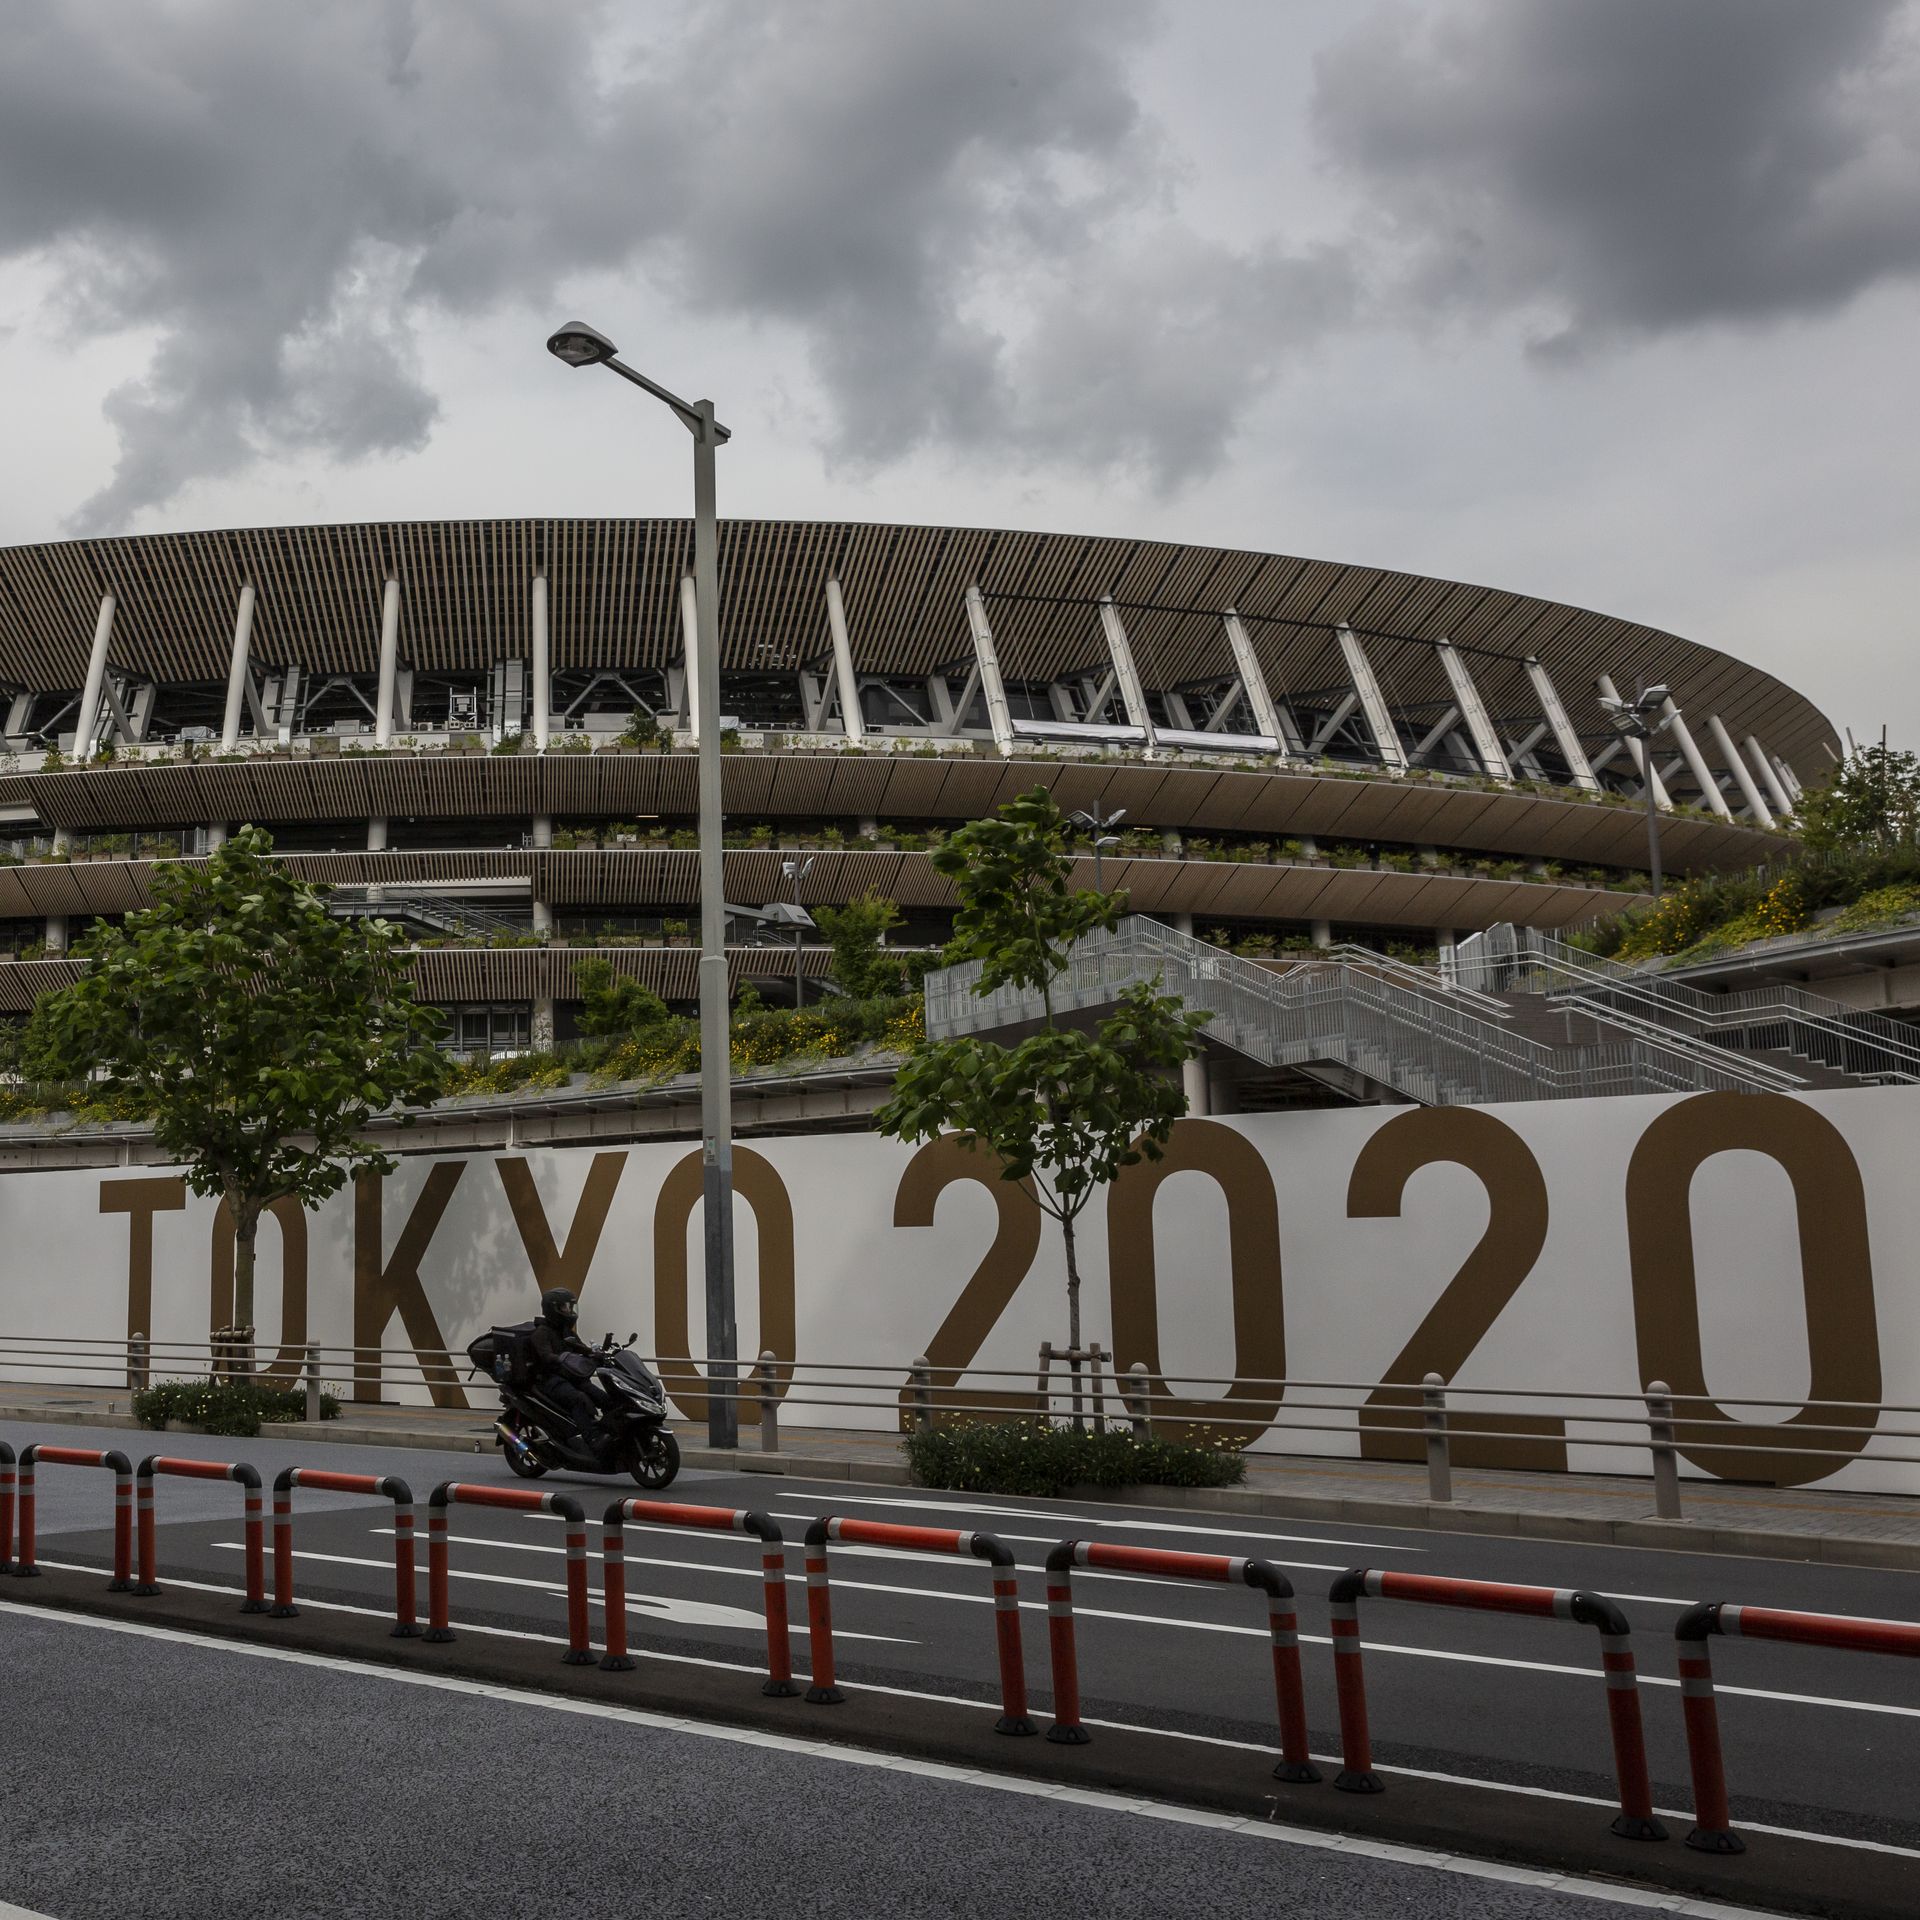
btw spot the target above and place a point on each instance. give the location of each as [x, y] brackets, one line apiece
[1625, 168]
[959, 212]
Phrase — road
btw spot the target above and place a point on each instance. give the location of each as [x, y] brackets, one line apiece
[168, 1778]
[1816, 1742]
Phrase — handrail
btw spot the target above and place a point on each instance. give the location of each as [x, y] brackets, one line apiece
[1864, 1044]
[1428, 1043]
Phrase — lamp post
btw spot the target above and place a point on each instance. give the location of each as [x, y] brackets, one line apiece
[580, 345]
[796, 871]
[1634, 720]
[1089, 817]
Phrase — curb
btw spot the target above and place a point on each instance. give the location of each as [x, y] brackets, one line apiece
[1672, 1536]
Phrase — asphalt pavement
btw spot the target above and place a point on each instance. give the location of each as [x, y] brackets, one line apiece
[169, 1778]
[1816, 1741]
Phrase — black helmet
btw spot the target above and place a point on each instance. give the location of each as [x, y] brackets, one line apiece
[559, 1309]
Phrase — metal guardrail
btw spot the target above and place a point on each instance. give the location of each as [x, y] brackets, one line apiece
[1403, 1420]
[1785, 1018]
[1354, 1008]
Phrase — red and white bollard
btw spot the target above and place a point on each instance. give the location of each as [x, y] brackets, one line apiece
[255, 1530]
[375, 1486]
[579, 1651]
[672, 1513]
[113, 1462]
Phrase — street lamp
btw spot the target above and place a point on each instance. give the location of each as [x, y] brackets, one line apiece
[1634, 720]
[580, 345]
[1089, 817]
[796, 871]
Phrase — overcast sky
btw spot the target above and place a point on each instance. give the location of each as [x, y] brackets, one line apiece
[1616, 301]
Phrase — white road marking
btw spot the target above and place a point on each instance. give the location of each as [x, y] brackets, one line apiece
[692, 1613]
[8, 1911]
[1269, 1829]
[1102, 1520]
[1269, 1753]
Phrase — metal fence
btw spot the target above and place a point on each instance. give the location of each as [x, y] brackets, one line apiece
[1411, 1421]
[1399, 1025]
[1777, 1016]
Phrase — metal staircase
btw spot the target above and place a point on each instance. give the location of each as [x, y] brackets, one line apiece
[1361, 1022]
[431, 911]
[1821, 1042]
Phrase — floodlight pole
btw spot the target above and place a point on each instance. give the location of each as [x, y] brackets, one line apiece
[1653, 820]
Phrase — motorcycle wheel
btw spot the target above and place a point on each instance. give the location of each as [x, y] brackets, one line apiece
[654, 1467]
[525, 1465]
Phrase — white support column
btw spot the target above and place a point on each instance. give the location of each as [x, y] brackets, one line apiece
[1373, 703]
[1640, 752]
[377, 834]
[689, 640]
[999, 715]
[237, 670]
[1486, 742]
[1564, 735]
[542, 667]
[850, 715]
[1790, 779]
[1266, 712]
[1193, 1083]
[389, 662]
[1736, 766]
[1133, 696]
[86, 719]
[1782, 803]
[1696, 762]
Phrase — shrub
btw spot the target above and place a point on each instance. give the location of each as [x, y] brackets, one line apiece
[235, 1407]
[1032, 1456]
[1880, 908]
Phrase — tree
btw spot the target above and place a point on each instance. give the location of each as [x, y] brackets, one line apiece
[862, 964]
[615, 1005]
[1063, 1110]
[252, 1030]
[1873, 800]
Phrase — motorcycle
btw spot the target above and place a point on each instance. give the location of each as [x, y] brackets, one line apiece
[630, 1436]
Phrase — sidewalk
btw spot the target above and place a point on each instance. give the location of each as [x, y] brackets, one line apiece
[1780, 1523]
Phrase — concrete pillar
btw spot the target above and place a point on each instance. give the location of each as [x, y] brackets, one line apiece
[1182, 922]
[56, 933]
[1446, 944]
[1554, 711]
[1266, 713]
[999, 714]
[540, 1028]
[850, 716]
[542, 667]
[1193, 1083]
[1736, 766]
[1782, 801]
[237, 670]
[1696, 762]
[87, 717]
[1322, 931]
[690, 647]
[216, 836]
[377, 835]
[389, 662]
[1133, 695]
[543, 830]
[542, 917]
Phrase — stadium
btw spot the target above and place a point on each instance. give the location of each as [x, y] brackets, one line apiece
[484, 730]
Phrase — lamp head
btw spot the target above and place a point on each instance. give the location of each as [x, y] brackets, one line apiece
[580, 345]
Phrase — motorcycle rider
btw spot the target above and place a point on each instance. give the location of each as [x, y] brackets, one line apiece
[562, 1361]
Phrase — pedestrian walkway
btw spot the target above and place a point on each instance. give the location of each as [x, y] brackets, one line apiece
[1862, 1529]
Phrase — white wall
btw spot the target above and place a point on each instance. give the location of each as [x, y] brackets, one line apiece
[1354, 1279]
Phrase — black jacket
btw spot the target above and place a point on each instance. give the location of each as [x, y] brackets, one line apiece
[551, 1351]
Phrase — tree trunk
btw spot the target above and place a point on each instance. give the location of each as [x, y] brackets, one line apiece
[1073, 1285]
[246, 1231]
